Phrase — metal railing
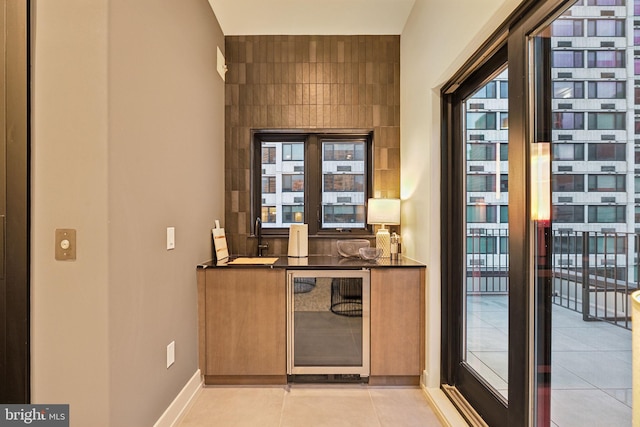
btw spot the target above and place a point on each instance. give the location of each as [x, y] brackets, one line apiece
[593, 273]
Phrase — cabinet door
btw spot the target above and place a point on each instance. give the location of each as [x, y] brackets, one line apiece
[245, 321]
[397, 321]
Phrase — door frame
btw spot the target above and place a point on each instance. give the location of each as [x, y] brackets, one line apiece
[16, 372]
[510, 39]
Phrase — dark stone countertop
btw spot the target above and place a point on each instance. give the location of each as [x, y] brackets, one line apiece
[322, 262]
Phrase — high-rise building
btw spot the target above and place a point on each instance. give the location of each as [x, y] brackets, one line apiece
[595, 87]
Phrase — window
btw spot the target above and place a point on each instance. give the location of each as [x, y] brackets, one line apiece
[481, 152]
[344, 151]
[293, 152]
[605, 2]
[299, 177]
[570, 244]
[268, 184]
[268, 155]
[292, 214]
[636, 184]
[607, 152]
[504, 214]
[486, 183]
[567, 244]
[608, 90]
[567, 28]
[567, 59]
[293, 183]
[486, 152]
[504, 152]
[605, 27]
[568, 214]
[504, 183]
[481, 213]
[636, 36]
[608, 244]
[607, 214]
[605, 59]
[340, 215]
[481, 245]
[607, 121]
[570, 183]
[481, 120]
[568, 120]
[569, 152]
[268, 215]
[487, 91]
[504, 89]
[607, 183]
[343, 183]
[504, 120]
[568, 90]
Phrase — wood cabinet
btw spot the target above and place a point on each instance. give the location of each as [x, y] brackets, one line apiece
[397, 325]
[242, 325]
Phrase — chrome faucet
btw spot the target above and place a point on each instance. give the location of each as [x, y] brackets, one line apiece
[257, 230]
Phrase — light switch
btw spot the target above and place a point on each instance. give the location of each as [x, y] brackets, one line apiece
[220, 64]
[171, 238]
[65, 249]
[171, 354]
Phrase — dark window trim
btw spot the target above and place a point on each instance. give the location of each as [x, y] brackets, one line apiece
[313, 176]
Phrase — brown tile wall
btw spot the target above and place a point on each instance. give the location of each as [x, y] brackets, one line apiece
[307, 82]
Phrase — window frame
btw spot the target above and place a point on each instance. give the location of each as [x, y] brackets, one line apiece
[313, 176]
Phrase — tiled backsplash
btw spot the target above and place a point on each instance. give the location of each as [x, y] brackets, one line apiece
[307, 82]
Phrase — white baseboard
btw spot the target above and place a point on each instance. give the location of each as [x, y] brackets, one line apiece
[178, 408]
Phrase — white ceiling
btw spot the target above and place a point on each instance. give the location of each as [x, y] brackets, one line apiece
[312, 17]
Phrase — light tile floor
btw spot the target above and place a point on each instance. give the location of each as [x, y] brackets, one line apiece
[591, 383]
[297, 405]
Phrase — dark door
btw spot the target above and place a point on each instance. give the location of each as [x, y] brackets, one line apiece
[486, 339]
[14, 228]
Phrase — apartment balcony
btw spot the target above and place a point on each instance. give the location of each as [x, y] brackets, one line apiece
[593, 275]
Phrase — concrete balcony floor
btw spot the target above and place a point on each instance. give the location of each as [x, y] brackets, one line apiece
[591, 373]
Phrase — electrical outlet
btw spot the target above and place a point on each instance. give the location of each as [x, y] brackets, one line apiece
[171, 353]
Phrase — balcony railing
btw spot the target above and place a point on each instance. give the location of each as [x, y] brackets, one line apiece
[593, 273]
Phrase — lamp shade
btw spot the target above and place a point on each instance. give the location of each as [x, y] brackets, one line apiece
[383, 211]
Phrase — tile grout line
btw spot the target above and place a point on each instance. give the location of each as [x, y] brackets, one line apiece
[375, 409]
[286, 391]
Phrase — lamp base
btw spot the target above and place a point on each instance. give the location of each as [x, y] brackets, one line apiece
[383, 241]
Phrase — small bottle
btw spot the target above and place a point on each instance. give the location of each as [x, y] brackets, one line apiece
[394, 246]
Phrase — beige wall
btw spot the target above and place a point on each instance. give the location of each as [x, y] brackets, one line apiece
[128, 120]
[435, 42]
[69, 311]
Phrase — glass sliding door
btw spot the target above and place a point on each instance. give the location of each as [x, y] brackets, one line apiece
[590, 252]
[486, 294]
[541, 216]
[483, 352]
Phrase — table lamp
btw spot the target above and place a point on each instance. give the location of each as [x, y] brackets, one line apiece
[383, 212]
